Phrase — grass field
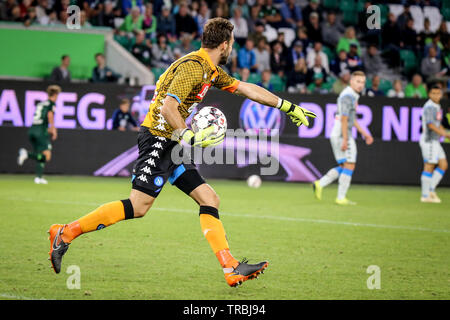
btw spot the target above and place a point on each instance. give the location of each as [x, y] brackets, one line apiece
[316, 250]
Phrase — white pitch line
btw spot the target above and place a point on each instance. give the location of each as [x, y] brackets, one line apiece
[11, 296]
[244, 215]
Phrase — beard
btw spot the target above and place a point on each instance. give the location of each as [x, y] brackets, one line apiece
[224, 58]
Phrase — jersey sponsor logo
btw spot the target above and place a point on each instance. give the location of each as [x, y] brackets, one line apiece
[203, 91]
[143, 178]
[158, 181]
[147, 170]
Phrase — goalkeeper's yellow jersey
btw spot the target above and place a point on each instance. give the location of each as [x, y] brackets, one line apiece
[187, 80]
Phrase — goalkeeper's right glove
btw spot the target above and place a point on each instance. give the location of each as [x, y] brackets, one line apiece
[202, 138]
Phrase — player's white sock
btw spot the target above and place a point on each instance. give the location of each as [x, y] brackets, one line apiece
[426, 183]
[344, 182]
[330, 176]
[438, 173]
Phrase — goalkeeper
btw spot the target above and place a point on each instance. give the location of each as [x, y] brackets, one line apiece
[183, 85]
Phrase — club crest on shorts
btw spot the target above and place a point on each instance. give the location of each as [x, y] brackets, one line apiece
[158, 181]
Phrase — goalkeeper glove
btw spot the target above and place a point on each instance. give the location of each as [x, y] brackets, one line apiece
[297, 114]
[202, 138]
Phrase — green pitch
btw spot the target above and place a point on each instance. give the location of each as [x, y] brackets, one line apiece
[316, 250]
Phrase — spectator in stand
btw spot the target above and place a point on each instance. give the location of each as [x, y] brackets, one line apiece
[339, 63]
[353, 59]
[313, 6]
[403, 18]
[162, 53]
[245, 9]
[41, 10]
[122, 119]
[184, 22]
[102, 73]
[24, 6]
[184, 47]
[142, 49]
[128, 5]
[272, 15]
[296, 80]
[431, 65]
[416, 89]
[372, 61]
[315, 69]
[258, 33]
[410, 39]
[443, 32]
[391, 38]
[240, 26]
[278, 60]
[397, 90]
[280, 38]
[265, 80]
[133, 21]
[348, 39]
[426, 34]
[436, 44]
[149, 22]
[62, 73]
[106, 17]
[203, 15]
[313, 28]
[255, 18]
[224, 8]
[332, 30]
[342, 82]
[302, 36]
[374, 90]
[313, 53]
[166, 23]
[295, 54]
[292, 14]
[30, 18]
[15, 15]
[318, 85]
[262, 55]
[247, 57]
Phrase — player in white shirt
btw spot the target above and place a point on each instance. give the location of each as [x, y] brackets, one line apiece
[342, 141]
[435, 161]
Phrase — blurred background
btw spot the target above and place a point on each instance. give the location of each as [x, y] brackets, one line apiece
[111, 57]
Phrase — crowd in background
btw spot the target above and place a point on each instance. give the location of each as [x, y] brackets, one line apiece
[294, 45]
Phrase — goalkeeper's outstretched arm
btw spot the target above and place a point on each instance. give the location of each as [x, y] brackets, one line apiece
[259, 94]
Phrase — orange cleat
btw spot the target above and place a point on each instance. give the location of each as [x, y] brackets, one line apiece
[57, 246]
[235, 276]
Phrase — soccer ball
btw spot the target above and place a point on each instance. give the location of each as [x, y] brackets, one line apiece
[254, 181]
[210, 116]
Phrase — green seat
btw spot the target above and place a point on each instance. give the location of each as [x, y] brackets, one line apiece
[349, 12]
[196, 44]
[277, 83]
[384, 11]
[346, 5]
[409, 61]
[236, 75]
[254, 78]
[385, 85]
[330, 4]
[158, 72]
[446, 13]
[330, 53]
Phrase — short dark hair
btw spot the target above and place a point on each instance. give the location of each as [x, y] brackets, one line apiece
[435, 85]
[215, 32]
[99, 54]
[64, 56]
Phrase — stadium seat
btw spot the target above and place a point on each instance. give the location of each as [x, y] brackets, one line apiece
[446, 13]
[330, 53]
[254, 78]
[277, 83]
[330, 4]
[236, 75]
[409, 61]
[433, 14]
[349, 12]
[196, 44]
[385, 85]
[158, 72]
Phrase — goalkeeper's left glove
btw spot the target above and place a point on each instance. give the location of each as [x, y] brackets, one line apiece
[202, 138]
[297, 114]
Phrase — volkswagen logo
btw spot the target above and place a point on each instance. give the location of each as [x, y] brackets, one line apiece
[257, 118]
